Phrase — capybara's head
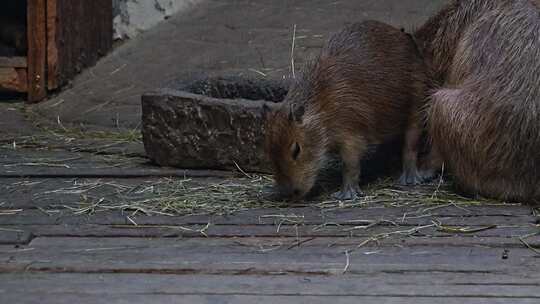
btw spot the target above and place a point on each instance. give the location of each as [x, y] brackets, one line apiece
[296, 146]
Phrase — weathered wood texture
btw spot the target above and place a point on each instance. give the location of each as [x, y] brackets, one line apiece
[65, 298]
[360, 217]
[64, 37]
[13, 62]
[497, 238]
[79, 33]
[37, 50]
[274, 255]
[256, 255]
[13, 79]
[23, 163]
[316, 289]
[375, 252]
[52, 44]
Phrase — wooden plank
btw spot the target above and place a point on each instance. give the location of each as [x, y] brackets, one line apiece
[273, 217]
[37, 50]
[26, 164]
[374, 285]
[21, 163]
[110, 172]
[13, 79]
[29, 298]
[499, 237]
[255, 256]
[52, 45]
[13, 62]
[82, 34]
[11, 235]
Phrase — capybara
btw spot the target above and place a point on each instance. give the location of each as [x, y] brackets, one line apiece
[484, 118]
[361, 90]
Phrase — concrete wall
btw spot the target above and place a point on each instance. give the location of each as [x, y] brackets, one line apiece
[134, 16]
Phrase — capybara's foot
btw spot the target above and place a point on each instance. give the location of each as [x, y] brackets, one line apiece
[411, 178]
[428, 175]
[348, 193]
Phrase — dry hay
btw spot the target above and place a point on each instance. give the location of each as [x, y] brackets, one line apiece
[182, 196]
[168, 196]
[52, 136]
[54, 139]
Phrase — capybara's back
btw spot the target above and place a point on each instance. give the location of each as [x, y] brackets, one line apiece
[485, 120]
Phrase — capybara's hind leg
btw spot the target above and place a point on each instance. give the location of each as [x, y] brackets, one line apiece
[432, 164]
[410, 175]
[443, 108]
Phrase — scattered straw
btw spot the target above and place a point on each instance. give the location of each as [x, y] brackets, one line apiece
[386, 193]
[11, 230]
[292, 51]
[38, 165]
[241, 170]
[529, 246]
[202, 231]
[169, 197]
[180, 196]
[369, 223]
[347, 262]
[298, 243]
[407, 232]
[258, 72]
[58, 136]
[10, 211]
[440, 182]
[463, 230]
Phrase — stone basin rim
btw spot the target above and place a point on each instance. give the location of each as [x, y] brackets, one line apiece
[176, 93]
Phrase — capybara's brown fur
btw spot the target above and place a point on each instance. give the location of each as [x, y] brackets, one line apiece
[484, 119]
[360, 90]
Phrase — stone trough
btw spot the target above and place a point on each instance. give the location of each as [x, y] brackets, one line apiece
[210, 123]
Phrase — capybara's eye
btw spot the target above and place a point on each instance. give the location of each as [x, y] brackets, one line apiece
[295, 151]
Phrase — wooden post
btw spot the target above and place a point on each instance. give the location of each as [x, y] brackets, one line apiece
[52, 47]
[37, 49]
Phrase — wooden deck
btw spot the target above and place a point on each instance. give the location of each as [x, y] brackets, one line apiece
[304, 254]
[54, 249]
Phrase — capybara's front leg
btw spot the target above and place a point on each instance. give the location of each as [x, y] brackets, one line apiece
[351, 154]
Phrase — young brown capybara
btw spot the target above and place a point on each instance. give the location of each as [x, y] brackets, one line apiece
[359, 91]
[484, 119]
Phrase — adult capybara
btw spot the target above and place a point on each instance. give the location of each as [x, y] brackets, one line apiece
[361, 90]
[484, 119]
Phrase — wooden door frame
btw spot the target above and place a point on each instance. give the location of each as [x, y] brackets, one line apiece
[37, 49]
